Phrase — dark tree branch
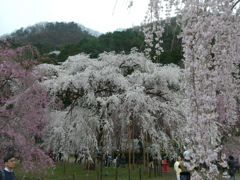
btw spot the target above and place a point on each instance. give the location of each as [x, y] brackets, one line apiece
[238, 1]
[159, 94]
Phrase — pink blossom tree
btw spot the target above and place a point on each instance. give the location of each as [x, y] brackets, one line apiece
[24, 107]
[210, 36]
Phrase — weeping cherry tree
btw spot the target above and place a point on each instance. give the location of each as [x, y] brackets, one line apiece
[108, 94]
[210, 40]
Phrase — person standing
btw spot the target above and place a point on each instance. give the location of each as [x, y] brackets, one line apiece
[76, 156]
[106, 159]
[9, 163]
[50, 154]
[185, 173]
[151, 165]
[109, 160]
[81, 156]
[60, 155]
[165, 165]
[176, 167]
[118, 160]
[114, 162]
[103, 159]
[123, 158]
[232, 167]
[98, 157]
[54, 155]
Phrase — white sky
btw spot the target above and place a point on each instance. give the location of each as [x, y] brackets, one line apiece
[98, 15]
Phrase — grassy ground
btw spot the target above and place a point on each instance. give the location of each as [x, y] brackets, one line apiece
[67, 171]
[73, 171]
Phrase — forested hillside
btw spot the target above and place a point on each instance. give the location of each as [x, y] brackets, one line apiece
[48, 36]
[123, 41]
[71, 39]
[116, 41]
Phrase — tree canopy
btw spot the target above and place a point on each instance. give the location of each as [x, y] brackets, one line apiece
[210, 40]
[24, 107]
[109, 93]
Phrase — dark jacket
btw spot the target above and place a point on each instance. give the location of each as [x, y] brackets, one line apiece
[8, 175]
[232, 165]
[182, 167]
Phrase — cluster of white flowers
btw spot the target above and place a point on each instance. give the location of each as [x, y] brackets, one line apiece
[210, 37]
[109, 93]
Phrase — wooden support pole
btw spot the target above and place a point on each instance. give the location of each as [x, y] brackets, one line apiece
[147, 155]
[140, 174]
[74, 176]
[64, 168]
[116, 176]
[101, 168]
[133, 147]
[129, 152]
[98, 176]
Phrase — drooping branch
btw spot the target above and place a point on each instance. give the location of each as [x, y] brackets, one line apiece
[235, 3]
[158, 93]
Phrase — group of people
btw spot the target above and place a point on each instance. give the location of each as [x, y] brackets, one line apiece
[120, 160]
[182, 172]
[106, 160]
[78, 157]
[55, 156]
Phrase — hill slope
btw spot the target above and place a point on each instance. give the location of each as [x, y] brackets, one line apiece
[56, 34]
[71, 39]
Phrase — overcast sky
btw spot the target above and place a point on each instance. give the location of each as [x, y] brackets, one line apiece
[99, 15]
